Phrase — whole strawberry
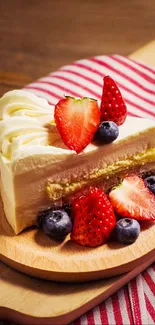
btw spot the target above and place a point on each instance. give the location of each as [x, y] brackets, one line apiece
[77, 121]
[113, 107]
[94, 218]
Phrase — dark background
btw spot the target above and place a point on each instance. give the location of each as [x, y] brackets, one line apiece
[38, 36]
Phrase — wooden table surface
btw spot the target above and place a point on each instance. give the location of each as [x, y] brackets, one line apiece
[38, 36]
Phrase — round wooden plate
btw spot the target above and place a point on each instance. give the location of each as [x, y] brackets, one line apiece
[34, 253]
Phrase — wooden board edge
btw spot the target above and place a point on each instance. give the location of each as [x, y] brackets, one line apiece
[145, 54]
[77, 277]
[17, 316]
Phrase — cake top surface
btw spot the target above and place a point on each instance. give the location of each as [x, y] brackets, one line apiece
[25, 120]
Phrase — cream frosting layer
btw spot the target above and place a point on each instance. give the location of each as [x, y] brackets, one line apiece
[30, 160]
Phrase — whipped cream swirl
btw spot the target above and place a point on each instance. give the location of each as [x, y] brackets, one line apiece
[23, 125]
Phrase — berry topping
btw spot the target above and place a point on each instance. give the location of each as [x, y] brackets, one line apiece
[127, 230]
[113, 107]
[150, 183]
[107, 132]
[133, 199]
[77, 121]
[55, 223]
[94, 218]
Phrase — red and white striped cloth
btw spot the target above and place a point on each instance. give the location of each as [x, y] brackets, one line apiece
[134, 303]
[85, 78]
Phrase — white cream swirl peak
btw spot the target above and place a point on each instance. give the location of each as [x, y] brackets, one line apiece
[23, 120]
[38, 170]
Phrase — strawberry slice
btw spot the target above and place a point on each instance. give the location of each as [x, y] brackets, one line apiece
[77, 121]
[133, 199]
[113, 107]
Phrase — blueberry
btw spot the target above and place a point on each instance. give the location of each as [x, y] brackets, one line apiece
[150, 183]
[55, 223]
[107, 132]
[127, 230]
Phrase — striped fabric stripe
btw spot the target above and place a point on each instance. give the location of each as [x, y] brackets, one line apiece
[134, 303]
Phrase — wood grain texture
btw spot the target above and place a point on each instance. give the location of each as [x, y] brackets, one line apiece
[26, 300]
[37, 37]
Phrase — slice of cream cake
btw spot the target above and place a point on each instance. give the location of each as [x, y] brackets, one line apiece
[38, 171]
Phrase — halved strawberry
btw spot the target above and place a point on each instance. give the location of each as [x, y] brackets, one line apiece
[77, 121]
[133, 199]
[113, 107]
